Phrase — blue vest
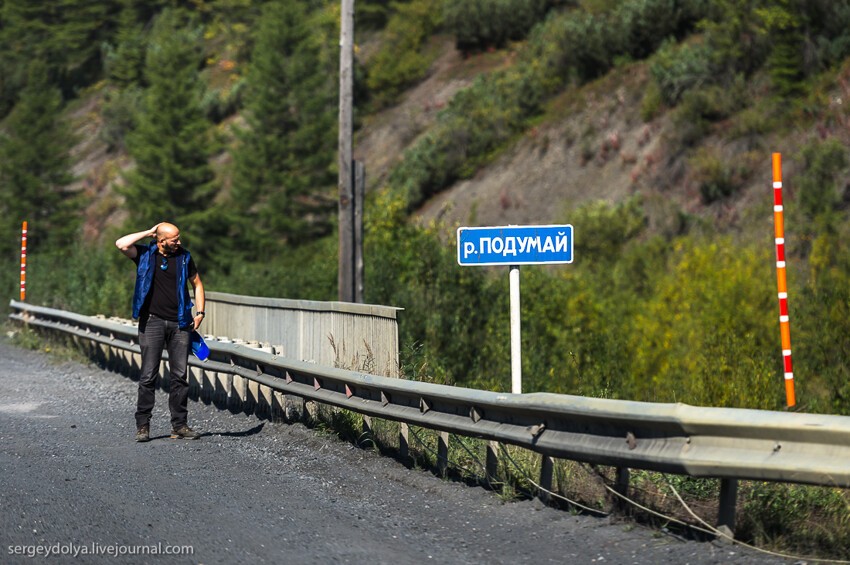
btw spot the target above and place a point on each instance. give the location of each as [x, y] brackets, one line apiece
[144, 280]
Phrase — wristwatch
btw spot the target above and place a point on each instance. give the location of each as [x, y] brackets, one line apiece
[201, 313]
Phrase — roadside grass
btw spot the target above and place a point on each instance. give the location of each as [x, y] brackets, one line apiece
[802, 521]
[60, 347]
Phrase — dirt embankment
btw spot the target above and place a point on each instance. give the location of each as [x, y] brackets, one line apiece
[591, 145]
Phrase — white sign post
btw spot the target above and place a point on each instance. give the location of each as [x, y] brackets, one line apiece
[516, 349]
[515, 246]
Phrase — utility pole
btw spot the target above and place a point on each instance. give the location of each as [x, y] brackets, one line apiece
[346, 176]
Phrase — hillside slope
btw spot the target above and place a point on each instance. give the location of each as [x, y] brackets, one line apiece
[591, 144]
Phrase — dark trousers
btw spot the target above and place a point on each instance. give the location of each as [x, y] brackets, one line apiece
[156, 334]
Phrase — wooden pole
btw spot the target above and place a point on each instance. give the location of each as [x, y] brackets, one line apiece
[359, 192]
[346, 192]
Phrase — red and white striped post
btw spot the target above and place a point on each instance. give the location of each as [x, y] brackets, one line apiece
[24, 262]
[781, 280]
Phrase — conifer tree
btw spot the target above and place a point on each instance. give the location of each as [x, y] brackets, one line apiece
[125, 61]
[172, 143]
[35, 166]
[285, 155]
[783, 21]
[66, 34]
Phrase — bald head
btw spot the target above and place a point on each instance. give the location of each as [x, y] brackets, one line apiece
[166, 231]
[167, 238]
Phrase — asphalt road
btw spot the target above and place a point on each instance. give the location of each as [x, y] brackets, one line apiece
[251, 491]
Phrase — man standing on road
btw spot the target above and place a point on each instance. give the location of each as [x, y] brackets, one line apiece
[163, 307]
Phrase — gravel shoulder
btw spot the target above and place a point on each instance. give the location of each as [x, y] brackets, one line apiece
[252, 491]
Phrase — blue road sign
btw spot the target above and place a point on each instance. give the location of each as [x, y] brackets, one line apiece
[515, 245]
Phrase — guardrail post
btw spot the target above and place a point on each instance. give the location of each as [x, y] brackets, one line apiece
[621, 486]
[403, 441]
[492, 463]
[102, 354]
[264, 402]
[278, 399]
[263, 394]
[443, 453]
[207, 385]
[237, 387]
[310, 410]
[240, 391]
[278, 407]
[728, 503]
[367, 429]
[128, 363]
[111, 354]
[251, 400]
[223, 385]
[547, 469]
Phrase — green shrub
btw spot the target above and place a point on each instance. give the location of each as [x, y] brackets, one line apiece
[823, 162]
[734, 34]
[477, 24]
[644, 24]
[677, 68]
[829, 32]
[401, 60]
[94, 280]
[753, 122]
[820, 326]
[605, 228]
[446, 307]
[651, 102]
[477, 122]
[699, 108]
[714, 175]
[706, 335]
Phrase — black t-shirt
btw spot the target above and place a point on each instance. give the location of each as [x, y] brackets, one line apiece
[161, 301]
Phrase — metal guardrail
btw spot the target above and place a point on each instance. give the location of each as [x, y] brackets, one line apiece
[723, 443]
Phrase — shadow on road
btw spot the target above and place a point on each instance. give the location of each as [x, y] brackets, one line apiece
[250, 432]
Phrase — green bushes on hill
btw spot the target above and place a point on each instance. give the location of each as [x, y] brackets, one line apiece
[566, 47]
[478, 24]
[401, 60]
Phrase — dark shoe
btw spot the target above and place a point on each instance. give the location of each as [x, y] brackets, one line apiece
[184, 432]
[143, 433]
